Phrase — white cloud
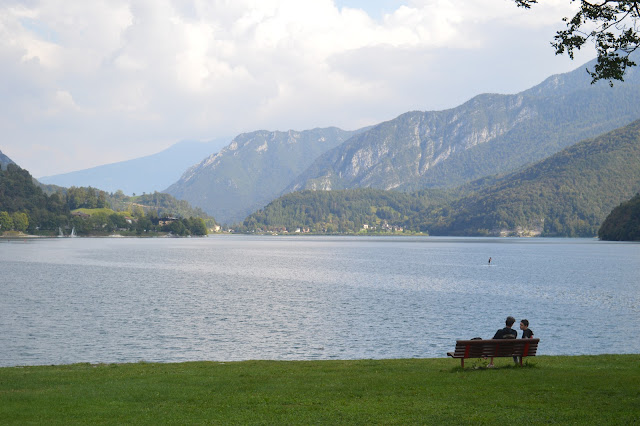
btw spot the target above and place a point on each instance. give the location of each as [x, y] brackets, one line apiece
[109, 80]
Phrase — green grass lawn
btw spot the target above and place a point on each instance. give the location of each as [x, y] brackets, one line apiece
[601, 389]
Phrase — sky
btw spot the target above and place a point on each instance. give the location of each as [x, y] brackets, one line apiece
[85, 83]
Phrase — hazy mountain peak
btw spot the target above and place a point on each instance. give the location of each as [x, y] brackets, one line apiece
[145, 174]
[5, 161]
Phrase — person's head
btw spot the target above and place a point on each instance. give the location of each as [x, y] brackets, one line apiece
[510, 321]
[524, 324]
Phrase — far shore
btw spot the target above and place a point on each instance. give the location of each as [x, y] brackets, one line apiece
[12, 235]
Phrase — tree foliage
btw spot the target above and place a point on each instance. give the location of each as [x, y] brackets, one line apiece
[611, 25]
[25, 207]
[86, 197]
[341, 211]
[623, 223]
[157, 204]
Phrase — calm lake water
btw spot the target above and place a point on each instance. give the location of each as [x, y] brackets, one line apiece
[222, 298]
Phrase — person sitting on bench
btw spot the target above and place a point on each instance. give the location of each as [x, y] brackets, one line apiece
[505, 333]
[526, 334]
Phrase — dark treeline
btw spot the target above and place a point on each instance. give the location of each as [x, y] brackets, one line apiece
[25, 207]
[623, 223]
[21, 199]
[344, 211]
[331, 211]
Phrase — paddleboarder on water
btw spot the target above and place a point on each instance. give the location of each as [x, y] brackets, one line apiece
[489, 261]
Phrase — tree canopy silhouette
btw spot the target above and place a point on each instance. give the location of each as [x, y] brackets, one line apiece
[611, 25]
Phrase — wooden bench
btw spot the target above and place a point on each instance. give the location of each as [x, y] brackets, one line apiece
[494, 348]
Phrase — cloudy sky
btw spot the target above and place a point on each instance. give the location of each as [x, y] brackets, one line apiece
[84, 83]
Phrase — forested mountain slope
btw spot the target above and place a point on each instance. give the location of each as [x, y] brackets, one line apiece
[252, 170]
[343, 211]
[567, 194]
[623, 223]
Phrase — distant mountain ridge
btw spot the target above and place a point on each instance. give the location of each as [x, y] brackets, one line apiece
[145, 174]
[252, 170]
[5, 161]
[567, 194]
[487, 135]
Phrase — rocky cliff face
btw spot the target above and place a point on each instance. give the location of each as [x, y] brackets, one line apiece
[403, 150]
[252, 170]
[488, 134]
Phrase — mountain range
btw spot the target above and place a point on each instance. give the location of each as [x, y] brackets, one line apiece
[487, 135]
[567, 194]
[253, 170]
[145, 174]
[490, 134]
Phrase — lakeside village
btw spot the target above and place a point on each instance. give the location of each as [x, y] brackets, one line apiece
[383, 228]
[126, 225]
[123, 225]
[175, 226]
[94, 223]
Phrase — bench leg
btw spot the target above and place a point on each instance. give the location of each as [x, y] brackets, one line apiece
[462, 362]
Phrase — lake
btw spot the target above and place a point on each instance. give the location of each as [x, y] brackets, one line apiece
[228, 297]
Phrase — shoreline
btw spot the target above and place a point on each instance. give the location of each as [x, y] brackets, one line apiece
[294, 235]
[455, 362]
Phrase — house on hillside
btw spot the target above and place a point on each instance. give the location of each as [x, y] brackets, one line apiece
[166, 220]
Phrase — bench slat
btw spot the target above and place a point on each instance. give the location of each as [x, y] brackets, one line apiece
[495, 348]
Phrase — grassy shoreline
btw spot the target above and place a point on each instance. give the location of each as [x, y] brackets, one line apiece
[602, 389]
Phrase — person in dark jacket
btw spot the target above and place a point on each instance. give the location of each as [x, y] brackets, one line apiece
[505, 333]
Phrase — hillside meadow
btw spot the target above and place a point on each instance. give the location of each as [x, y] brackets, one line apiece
[546, 390]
